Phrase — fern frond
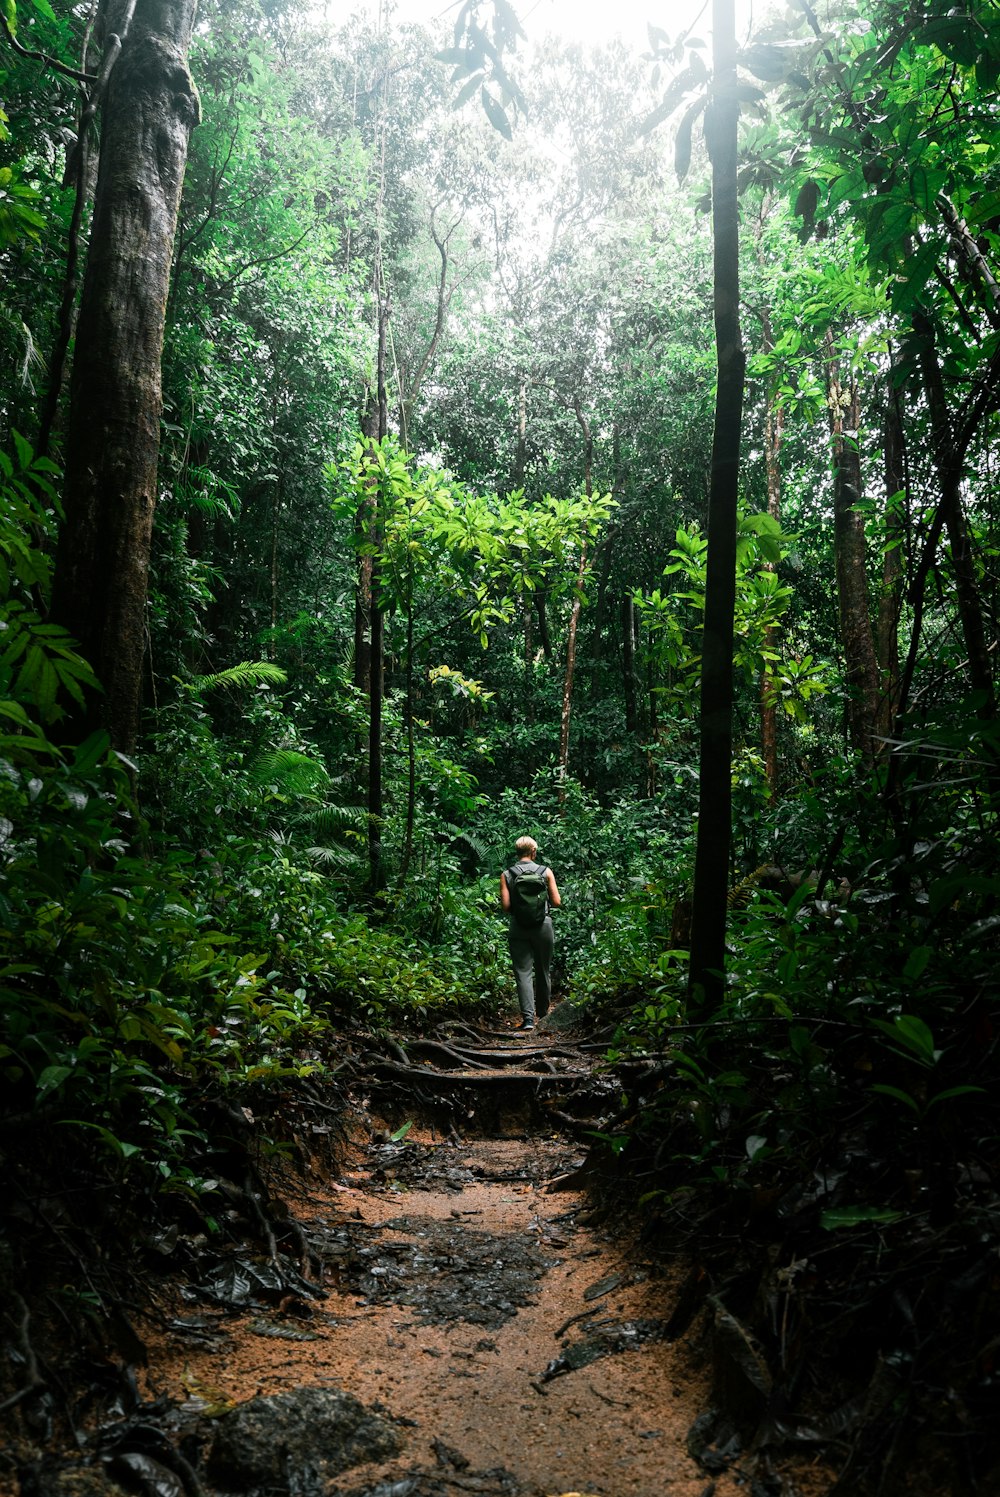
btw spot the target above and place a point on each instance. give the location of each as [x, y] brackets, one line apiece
[333, 821]
[338, 860]
[465, 842]
[290, 771]
[247, 673]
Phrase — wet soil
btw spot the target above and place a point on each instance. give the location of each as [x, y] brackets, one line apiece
[456, 1288]
[475, 1306]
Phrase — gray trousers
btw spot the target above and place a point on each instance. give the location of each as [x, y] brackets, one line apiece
[531, 952]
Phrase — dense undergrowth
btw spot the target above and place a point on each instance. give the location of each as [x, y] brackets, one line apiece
[823, 1148]
[188, 945]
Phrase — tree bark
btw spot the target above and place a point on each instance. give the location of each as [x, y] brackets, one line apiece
[628, 663]
[891, 591]
[363, 580]
[711, 874]
[375, 805]
[850, 558]
[949, 459]
[544, 638]
[574, 617]
[83, 165]
[113, 434]
[774, 431]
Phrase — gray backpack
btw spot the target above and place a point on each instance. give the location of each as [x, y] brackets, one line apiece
[529, 893]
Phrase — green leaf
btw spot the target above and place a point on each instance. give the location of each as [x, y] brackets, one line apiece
[496, 115]
[51, 1079]
[459, 56]
[900, 1096]
[682, 144]
[954, 1091]
[858, 1216]
[916, 963]
[25, 451]
[465, 93]
[115, 1145]
[681, 85]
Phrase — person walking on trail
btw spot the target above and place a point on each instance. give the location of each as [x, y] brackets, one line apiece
[528, 890]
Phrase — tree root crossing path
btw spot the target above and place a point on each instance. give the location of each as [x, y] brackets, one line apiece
[463, 1320]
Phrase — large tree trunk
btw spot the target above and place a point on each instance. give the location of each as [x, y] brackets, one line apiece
[113, 434]
[711, 873]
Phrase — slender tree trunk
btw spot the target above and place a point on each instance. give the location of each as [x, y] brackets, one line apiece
[711, 874]
[84, 173]
[653, 735]
[628, 662]
[607, 551]
[520, 452]
[949, 460]
[113, 434]
[574, 617]
[275, 536]
[544, 638]
[851, 560]
[375, 675]
[891, 591]
[410, 387]
[411, 747]
[363, 535]
[774, 430]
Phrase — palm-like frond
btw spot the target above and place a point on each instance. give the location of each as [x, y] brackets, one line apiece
[247, 673]
[332, 821]
[291, 771]
[338, 860]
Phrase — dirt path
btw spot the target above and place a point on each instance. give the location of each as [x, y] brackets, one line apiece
[467, 1296]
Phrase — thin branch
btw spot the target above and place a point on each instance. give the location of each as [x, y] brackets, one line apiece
[264, 260]
[43, 57]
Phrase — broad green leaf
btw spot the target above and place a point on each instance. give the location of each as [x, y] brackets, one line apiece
[898, 1093]
[858, 1216]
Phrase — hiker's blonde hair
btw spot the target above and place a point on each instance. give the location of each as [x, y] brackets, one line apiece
[526, 847]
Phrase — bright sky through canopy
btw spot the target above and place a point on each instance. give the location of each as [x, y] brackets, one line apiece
[593, 22]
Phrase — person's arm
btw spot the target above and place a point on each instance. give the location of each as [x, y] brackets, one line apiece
[554, 899]
[504, 894]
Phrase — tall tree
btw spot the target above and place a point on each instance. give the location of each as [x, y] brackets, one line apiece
[850, 558]
[711, 875]
[113, 434]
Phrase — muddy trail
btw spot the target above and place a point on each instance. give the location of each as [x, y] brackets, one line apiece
[440, 1308]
